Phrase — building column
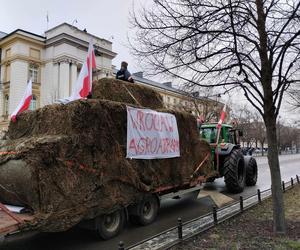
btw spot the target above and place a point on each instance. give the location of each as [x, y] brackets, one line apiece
[18, 83]
[73, 76]
[55, 82]
[64, 80]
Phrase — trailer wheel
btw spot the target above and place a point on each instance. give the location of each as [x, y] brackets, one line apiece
[145, 212]
[251, 172]
[235, 171]
[110, 225]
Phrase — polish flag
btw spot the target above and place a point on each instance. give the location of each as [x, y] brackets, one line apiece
[25, 102]
[222, 118]
[83, 85]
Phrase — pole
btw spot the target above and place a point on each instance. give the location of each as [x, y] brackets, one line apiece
[179, 228]
[217, 146]
[258, 195]
[215, 215]
[241, 204]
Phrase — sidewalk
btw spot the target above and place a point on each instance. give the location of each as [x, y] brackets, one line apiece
[253, 229]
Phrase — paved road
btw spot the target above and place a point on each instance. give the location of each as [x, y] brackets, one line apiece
[186, 208]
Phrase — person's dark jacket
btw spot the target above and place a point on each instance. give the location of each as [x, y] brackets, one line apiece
[124, 75]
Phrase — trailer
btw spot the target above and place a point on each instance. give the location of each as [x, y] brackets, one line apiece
[15, 221]
[12, 221]
[67, 165]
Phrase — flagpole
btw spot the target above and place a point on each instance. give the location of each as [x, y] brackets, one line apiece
[91, 62]
[219, 127]
[47, 17]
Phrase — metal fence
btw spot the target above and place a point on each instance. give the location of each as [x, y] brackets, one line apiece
[282, 152]
[189, 229]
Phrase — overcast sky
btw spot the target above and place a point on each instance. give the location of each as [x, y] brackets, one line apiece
[107, 19]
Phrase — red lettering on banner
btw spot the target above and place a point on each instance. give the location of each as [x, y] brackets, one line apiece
[149, 121]
[156, 122]
[156, 136]
[146, 121]
[140, 119]
[153, 147]
[147, 145]
[132, 146]
[169, 127]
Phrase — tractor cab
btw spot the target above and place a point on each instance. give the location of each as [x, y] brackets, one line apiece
[228, 134]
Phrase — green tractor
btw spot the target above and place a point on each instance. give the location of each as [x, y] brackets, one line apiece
[229, 161]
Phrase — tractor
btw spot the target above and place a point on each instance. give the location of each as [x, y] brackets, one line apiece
[228, 159]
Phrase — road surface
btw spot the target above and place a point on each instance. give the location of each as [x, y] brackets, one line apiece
[187, 208]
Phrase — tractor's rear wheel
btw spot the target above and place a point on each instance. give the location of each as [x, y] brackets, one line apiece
[235, 171]
[251, 172]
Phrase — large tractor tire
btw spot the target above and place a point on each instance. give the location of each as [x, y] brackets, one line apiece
[251, 172]
[235, 171]
[145, 212]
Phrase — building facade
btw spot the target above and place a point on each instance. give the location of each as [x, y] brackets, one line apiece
[177, 99]
[52, 61]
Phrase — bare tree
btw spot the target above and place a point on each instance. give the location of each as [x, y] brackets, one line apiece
[294, 94]
[259, 131]
[244, 117]
[252, 45]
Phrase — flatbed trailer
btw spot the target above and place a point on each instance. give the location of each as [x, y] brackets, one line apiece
[12, 223]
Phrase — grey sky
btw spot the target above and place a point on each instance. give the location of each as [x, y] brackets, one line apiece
[102, 18]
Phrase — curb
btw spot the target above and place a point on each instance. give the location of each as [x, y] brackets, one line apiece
[191, 228]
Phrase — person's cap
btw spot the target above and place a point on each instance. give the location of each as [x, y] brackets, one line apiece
[124, 64]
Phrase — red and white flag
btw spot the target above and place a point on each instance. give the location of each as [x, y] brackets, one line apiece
[222, 118]
[83, 85]
[24, 103]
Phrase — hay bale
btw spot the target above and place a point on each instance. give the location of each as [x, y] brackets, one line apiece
[121, 91]
[73, 156]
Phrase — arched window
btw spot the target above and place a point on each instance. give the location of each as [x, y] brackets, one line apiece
[32, 105]
[6, 101]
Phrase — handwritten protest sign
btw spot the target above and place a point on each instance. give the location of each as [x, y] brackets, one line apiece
[151, 134]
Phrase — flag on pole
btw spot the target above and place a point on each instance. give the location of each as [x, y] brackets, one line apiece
[83, 85]
[91, 62]
[24, 103]
[222, 118]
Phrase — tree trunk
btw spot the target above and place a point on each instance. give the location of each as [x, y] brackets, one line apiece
[273, 159]
[270, 121]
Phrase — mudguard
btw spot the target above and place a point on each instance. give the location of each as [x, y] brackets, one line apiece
[226, 149]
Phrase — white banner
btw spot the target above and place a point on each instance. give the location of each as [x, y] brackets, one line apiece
[151, 134]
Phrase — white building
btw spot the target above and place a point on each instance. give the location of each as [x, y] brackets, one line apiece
[53, 62]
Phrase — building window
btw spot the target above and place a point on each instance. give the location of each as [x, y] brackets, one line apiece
[168, 99]
[175, 101]
[6, 101]
[7, 73]
[32, 105]
[33, 72]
